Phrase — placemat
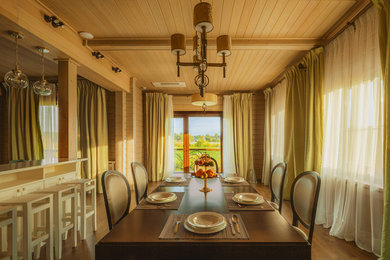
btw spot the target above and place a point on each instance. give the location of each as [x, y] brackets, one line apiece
[182, 233]
[226, 184]
[170, 205]
[236, 206]
[176, 184]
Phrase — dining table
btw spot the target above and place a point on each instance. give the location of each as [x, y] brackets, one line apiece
[137, 236]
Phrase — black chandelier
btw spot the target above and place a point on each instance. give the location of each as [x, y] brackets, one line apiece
[202, 21]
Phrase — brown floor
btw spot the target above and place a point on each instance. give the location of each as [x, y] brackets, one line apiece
[324, 246]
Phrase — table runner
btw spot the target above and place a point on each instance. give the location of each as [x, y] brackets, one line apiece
[170, 205]
[226, 184]
[231, 205]
[176, 184]
[182, 233]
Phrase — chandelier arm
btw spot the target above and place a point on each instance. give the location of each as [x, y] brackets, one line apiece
[224, 67]
[204, 44]
[178, 64]
[188, 64]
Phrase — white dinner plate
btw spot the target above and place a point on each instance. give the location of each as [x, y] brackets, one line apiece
[248, 198]
[175, 179]
[204, 230]
[161, 197]
[205, 220]
[234, 179]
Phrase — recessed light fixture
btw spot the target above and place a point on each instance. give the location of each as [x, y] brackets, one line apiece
[86, 35]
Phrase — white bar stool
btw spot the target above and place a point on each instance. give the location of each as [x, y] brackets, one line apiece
[84, 186]
[28, 205]
[8, 220]
[62, 223]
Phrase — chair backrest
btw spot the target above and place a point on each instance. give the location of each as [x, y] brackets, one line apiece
[117, 196]
[140, 177]
[304, 198]
[277, 178]
[216, 164]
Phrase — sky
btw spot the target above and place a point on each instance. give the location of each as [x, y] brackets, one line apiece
[199, 125]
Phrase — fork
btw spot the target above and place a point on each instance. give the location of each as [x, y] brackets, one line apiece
[178, 221]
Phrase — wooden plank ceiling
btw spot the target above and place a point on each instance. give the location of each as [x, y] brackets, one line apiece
[248, 69]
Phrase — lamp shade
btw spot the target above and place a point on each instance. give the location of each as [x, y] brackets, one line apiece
[203, 17]
[178, 44]
[224, 45]
[208, 99]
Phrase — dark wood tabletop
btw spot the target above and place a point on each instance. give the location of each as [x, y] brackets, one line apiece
[136, 236]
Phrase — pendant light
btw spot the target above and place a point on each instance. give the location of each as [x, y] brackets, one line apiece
[42, 87]
[16, 78]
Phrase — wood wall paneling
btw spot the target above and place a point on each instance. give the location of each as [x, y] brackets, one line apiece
[120, 131]
[111, 124]
[67, 109]
[258, 132]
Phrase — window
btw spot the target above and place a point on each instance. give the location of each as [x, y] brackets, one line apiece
[48, 117]
[196, 134]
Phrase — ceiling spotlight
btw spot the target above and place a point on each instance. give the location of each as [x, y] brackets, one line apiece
[116, 69]
[98, 55]
[55, 22]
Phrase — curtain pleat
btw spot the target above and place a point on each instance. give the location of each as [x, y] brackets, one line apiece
[92, 130]
[158, 138]
[24, 128]
[383, 7]
[304, 116]
[242, 135]
[267, 137]
[229, 165]
[275, 100]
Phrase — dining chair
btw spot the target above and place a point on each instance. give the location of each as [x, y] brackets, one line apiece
[304, 198]
[117, 196]
[277, 178]
[140, 177]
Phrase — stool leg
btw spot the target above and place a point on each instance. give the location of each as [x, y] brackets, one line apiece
[49, 230]
[27, 234]
[14, 236]
[58, 226]
[74, 218]
[94, 209]
[83, 212]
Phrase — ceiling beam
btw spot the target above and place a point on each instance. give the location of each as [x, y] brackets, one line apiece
[26, 17]
[142, 44]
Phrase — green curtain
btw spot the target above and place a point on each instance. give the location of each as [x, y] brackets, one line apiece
[304, 116]
[242, 135]
[156, 118]
[92, 130]
[383, 7]
[24, 129]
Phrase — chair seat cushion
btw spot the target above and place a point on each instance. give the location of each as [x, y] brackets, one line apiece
[300, 231]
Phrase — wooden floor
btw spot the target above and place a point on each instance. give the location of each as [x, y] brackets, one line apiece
[324, 246]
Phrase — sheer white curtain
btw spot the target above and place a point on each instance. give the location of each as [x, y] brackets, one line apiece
[169, 147]
[48, 119]
[229, 166]
[351, 196]
[274, 129]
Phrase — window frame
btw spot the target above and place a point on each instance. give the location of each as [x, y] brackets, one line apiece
[185, 115]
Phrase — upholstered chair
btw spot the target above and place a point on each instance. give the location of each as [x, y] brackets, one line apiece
[140, 177]
[278, 175]
[117, 196]
[304, 198]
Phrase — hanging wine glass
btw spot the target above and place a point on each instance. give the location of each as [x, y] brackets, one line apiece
[42, 87]
[16, 78]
